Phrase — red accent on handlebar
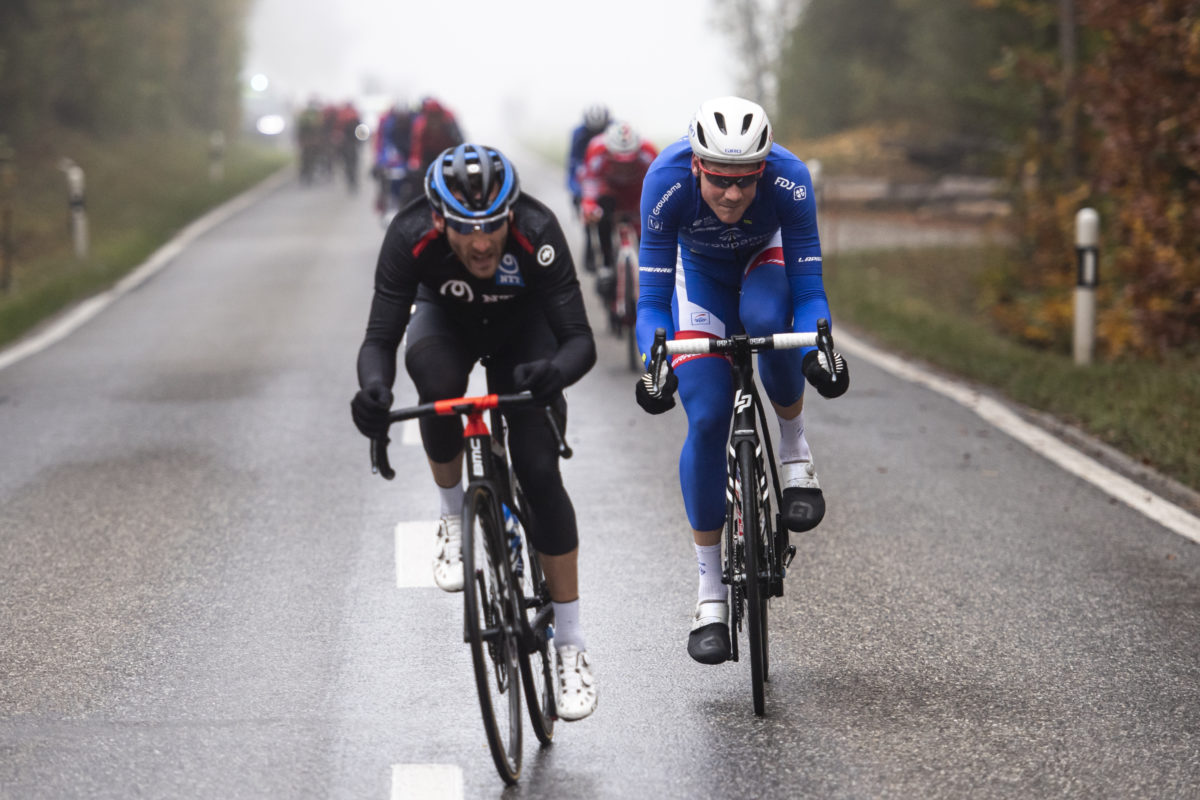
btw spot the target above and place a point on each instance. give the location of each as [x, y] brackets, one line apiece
[457, 405]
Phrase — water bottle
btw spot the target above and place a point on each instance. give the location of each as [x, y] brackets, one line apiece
[512, 530]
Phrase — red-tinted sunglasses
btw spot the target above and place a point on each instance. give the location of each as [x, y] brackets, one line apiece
[723, 180]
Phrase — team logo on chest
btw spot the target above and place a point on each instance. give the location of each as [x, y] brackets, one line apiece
[460, 290]
[509, 273]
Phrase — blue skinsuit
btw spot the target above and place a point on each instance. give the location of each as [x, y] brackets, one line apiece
[701, 277]
[580, 137]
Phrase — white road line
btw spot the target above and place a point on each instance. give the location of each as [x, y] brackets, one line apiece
[415, 544]
[427, 782]
[411, 432]
[80, 314]
[1137, 497]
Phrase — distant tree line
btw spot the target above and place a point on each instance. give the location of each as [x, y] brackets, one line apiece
[109, 67]
[1078, 102]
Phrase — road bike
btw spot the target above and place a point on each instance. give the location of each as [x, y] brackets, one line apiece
[508, 617]
[757, 551]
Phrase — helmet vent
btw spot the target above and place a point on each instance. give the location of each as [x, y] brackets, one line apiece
[720, 118]
[746, 122]
[762, 140]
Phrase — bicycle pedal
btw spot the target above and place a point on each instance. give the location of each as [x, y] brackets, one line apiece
[789, 554]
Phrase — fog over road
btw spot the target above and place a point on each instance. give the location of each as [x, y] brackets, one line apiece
[200, 598]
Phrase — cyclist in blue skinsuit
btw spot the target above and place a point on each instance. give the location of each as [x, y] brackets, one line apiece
[730, 244]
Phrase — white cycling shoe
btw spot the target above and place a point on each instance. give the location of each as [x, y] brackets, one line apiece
[803, 503]
[447, 563]
[575, 694]
[708, 641]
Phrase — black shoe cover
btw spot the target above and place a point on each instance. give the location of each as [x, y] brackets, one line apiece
[803, 509]
[710, 644]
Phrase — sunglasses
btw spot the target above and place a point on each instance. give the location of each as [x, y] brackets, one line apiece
[468, 226]
[723, 180]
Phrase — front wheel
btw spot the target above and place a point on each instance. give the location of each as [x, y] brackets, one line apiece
[756, 595]
[491, 629]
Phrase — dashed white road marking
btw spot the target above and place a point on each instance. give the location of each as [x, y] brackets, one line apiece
[415, 545]
[427, 782]
[410, 433]
[1118, 486]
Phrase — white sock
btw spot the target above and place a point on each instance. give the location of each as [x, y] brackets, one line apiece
[451, 499]
[567, 630]
[708, 559]
[792, 444]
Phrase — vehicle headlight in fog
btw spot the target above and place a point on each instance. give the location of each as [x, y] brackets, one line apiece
[271, 125]
[362, 132]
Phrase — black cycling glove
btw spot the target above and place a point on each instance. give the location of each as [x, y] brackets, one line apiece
[541, 378]
[661, 401]
[370, 408]
[820, 376]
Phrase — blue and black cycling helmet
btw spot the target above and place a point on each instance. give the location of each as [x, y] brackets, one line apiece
[472, 183]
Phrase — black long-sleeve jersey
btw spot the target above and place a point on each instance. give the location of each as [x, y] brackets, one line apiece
[536, 273]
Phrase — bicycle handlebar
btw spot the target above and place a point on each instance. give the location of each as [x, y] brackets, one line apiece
[661, 348]
[459, 405]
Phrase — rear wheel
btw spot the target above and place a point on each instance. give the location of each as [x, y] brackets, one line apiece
[539, 667]
[756, 595]
[490, 620]
[539, 663]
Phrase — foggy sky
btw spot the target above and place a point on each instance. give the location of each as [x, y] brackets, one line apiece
[519, 68]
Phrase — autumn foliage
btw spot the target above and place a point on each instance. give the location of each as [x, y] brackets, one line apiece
[1124, 138]
[1141, 95]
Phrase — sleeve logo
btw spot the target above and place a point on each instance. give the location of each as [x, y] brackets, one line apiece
[545, 255]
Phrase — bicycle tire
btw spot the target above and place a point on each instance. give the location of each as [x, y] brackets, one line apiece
[539, 665]
[756, 600]
[538, 659]
[491, 629]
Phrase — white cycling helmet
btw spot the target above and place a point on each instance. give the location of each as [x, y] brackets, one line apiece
[622, 141]
[730, 129]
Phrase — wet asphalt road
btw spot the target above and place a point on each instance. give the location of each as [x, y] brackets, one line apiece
[199, 590]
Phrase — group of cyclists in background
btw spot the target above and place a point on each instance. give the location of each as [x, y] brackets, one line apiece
[328, 137]
[405, 140]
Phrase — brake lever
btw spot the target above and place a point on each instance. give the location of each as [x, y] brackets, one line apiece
[658, 352]
[825, 345]
[379, 458]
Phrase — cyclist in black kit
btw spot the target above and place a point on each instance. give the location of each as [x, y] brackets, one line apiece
[493, 281]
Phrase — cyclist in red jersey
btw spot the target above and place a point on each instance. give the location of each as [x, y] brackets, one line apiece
[613, 168]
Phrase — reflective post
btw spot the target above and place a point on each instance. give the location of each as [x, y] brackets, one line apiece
[76, 206]
[1087, 265]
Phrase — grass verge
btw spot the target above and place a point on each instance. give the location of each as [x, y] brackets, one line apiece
[927, 304]
[140, 192]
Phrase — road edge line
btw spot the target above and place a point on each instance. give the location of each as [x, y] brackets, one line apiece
[1041, 441]
[74, 318]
